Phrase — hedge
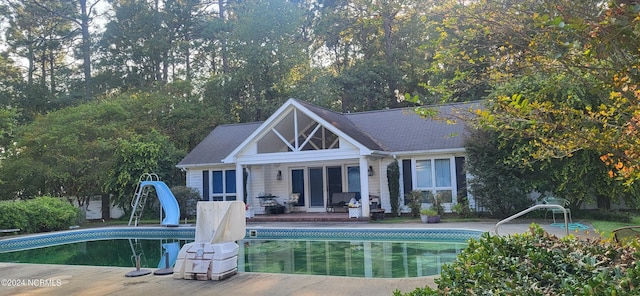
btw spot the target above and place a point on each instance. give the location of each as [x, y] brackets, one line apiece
[537, 263]
[40, 214]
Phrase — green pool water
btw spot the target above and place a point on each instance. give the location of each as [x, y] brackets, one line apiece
[371, 259]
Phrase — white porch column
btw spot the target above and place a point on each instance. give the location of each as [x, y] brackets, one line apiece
[364, 186]
[240, 183]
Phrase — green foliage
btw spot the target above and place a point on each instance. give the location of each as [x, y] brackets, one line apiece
[414, 201]
[428, 212]
[102, 146]
[426, 291]
[38, 215]
[135, 156]
[561, 74]
[462, 206]
[393, 181]
[605, 215]
[187, 199]
[497, 186]
[436, 203]
[537, 263]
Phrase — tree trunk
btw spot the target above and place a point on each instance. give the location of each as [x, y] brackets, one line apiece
[225, 65]
[106, 207]
[86, 50]
[52, 74]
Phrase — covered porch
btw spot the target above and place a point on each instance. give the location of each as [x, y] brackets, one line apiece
[312, 154]
[319, 185]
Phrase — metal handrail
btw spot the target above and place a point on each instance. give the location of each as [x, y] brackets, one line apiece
[547, 206]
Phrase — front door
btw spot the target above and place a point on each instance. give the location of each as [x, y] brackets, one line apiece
[316, 188]
[334, 180]
[297, 185]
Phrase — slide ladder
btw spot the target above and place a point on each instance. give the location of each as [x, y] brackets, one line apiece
[168, 203]
[137, 250]
[140, 198]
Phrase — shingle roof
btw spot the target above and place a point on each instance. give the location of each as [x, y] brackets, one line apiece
[343, 123]
[219, 143]
[398, 130]
[392, 130]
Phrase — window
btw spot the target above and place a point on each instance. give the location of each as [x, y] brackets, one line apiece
[433, 176]
[223, 185]
[353, 178]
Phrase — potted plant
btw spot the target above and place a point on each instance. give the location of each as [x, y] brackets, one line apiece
[429, 216]
[354, 209]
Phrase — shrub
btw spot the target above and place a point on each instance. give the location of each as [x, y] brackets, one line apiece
[436, 203]
[414, 201]
[497, 186]
[539, 264]
[187, 198]
[462, 206]
[13, 215]
[606, 215]
[393, 179]
[37, 215]
[428, 212]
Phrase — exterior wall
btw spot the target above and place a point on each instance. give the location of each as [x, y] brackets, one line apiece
[194, 180]
[382, 183]
[94, 210]
[264, 180]
[256, 186]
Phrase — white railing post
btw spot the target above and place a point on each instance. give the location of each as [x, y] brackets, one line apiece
[547, 206]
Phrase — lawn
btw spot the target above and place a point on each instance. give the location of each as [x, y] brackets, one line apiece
[605, 227]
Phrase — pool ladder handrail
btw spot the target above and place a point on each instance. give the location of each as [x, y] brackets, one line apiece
[547, 206]
[140, 198]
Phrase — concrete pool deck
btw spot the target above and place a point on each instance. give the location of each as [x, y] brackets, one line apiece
[45, 279]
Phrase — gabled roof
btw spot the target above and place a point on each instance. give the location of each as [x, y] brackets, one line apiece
[402, 130]
[391, 130]
[343, 123]
[218, 144]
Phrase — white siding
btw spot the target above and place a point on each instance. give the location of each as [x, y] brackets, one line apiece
[256, 186]
[194, 180]
[94, 209]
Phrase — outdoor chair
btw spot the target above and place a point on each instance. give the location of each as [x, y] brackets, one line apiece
[557, 201]
[627, 233]
[292, 201]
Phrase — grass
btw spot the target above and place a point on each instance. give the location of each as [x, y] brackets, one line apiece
[448, 217]
[606, 227]
[121, 221]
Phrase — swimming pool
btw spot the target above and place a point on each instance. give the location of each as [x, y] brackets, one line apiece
[377, 253]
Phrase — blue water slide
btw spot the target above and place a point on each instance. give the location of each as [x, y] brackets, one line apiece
[173, 249]
[168, 202]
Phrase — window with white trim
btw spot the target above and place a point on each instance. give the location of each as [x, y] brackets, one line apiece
[223, 185]
[434, 177]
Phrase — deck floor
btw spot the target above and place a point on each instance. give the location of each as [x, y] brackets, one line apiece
[307, 217]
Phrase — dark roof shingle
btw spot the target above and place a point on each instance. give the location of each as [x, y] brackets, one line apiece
[398, 130]
[219, 143]
[392, 130]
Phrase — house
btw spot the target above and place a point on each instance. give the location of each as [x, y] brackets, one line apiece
[316, 152]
